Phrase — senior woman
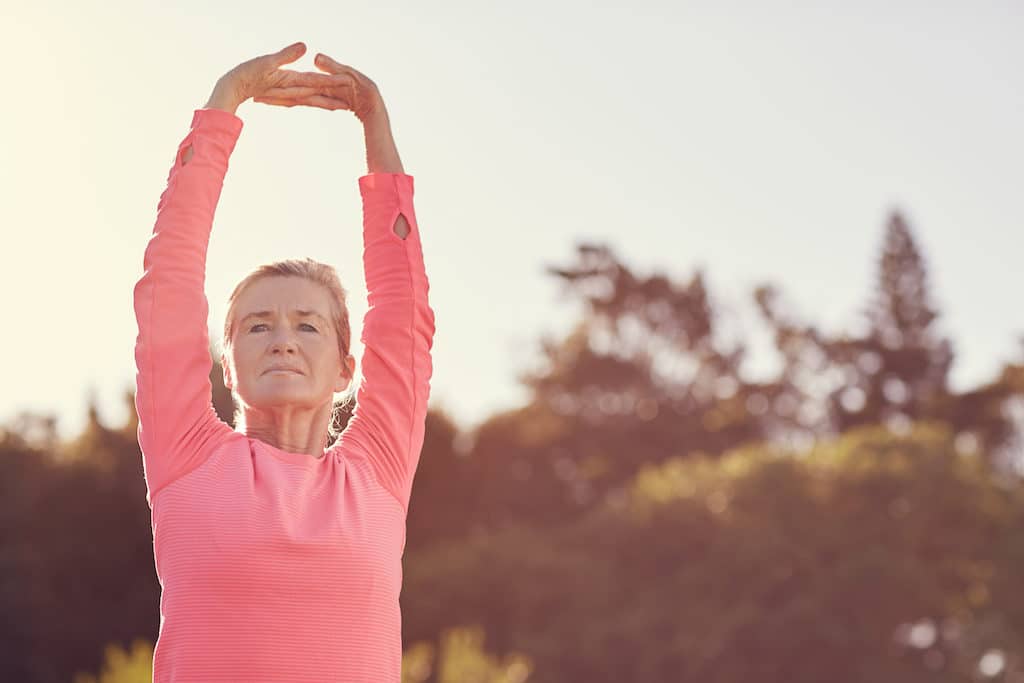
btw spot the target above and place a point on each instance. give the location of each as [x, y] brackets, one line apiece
[279, 554]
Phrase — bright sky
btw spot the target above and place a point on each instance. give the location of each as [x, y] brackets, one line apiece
[761, 143]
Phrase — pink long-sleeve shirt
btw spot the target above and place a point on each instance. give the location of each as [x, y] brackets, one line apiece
[277, 566]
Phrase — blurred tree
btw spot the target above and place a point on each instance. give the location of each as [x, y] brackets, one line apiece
[121, 666]
[440, 507]
[761, 565]
[901, 369]
[29, 430]
[79, 548]
[642, 373]
[22, 470]
[896, 371]
[461, 658]
[990, 418]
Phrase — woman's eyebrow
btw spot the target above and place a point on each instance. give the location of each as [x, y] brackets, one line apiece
[267, 314]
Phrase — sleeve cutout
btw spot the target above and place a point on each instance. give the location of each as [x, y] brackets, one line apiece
[401, 227]
[185, 155]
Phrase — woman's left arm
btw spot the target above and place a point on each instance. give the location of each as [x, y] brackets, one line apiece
[388, 423]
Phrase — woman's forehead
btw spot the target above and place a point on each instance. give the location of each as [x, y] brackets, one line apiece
[284, 294]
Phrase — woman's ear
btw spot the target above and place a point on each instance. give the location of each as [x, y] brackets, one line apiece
[347, 374]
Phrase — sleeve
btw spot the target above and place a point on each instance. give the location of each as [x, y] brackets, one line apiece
[387, 424]
[178, 426]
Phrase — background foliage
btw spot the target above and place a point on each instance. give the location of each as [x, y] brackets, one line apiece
[649, 515]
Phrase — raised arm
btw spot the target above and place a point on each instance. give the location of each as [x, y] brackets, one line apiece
[388, 422]
[178, 426]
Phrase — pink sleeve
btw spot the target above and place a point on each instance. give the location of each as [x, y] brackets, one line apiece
[178, 426]
[388, 422]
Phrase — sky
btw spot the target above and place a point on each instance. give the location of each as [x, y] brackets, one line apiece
[759, 142]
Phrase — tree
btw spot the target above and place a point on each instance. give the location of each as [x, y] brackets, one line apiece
[763, 564]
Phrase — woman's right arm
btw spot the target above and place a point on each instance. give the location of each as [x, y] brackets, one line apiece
[178, 426]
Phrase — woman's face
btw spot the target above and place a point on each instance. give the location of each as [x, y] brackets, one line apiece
[285, 322]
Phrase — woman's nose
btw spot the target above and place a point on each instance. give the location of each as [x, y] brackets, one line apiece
[282, 341]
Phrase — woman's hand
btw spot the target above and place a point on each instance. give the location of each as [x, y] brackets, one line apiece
[261, 76]
[347, 89]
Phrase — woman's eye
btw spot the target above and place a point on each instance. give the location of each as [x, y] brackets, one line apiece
[253, 328]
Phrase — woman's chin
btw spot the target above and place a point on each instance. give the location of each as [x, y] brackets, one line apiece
[281, 395]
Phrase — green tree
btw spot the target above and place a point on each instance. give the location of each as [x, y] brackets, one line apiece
[121, 666]
[764, 564]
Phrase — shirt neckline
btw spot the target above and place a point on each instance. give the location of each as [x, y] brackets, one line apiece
[304, 459]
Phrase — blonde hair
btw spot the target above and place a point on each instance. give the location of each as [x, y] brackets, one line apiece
[321, 274]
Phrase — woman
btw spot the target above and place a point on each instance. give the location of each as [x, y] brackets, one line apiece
[279, 556]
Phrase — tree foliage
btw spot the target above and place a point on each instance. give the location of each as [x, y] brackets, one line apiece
[650, 514]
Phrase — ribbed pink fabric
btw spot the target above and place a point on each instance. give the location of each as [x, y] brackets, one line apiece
[277, 566]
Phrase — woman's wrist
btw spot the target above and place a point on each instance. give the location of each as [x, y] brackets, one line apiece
[381, 151]
[223, 98]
